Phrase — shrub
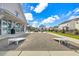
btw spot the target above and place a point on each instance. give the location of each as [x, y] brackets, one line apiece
[76, 32]
[63, 31]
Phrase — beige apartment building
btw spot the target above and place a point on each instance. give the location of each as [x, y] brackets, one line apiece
[11, 15]
[70, 24]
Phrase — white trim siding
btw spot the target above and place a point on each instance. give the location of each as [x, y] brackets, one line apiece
[12, 12]
[71, 24]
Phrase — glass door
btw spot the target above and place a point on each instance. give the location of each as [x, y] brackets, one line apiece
[9, 25]
[0, 26]
[4, 27]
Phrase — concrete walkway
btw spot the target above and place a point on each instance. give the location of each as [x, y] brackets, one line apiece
[39, 44]
[4, 41]
[38, 53]
[69, 38]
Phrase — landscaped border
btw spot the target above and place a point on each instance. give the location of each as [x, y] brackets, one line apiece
[67, 34]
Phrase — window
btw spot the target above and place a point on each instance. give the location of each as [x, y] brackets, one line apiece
[16, 13]
[0, 26]
[4, 26]
[9, 24]
[22, 29]
[17, 27]
[77, 22]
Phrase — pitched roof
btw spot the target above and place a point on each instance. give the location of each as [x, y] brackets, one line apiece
[75, 19]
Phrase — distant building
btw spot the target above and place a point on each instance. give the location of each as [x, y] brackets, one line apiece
[70, 24]
[11, 16]
[50, 28]
[42, 27]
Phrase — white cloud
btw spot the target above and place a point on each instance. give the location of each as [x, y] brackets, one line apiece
[39, 8]
[56, 16]
[69, 13]
[28, 16]
[50, 19]
[31, 8]
[34, 24]
[72, 17]
[73, 13]
[76, 10]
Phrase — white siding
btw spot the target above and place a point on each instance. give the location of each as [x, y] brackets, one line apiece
[77, 24]
[70, 25]
[13, 7]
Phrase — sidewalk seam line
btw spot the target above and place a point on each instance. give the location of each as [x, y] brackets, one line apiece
[49, 53]
[19, 53]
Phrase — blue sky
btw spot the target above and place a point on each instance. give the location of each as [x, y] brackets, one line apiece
[49, 14]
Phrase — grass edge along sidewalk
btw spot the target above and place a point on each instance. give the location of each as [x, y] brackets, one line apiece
[66, 34]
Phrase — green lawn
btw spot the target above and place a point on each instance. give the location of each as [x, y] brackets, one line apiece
[67, 34]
